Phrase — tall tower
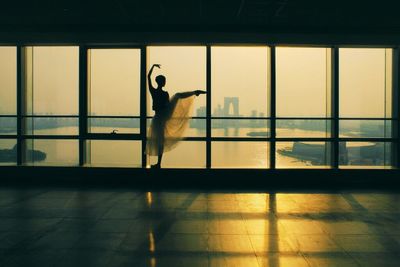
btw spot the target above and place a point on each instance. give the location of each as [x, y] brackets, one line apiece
[234, 101]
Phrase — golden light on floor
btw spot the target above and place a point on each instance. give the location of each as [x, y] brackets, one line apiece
[153, 262]
[149, 198]
[205, 229]
[152, 247]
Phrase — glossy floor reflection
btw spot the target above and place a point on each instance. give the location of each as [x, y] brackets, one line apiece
[127, 228]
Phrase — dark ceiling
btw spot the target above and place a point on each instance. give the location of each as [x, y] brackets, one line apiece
[202, 15]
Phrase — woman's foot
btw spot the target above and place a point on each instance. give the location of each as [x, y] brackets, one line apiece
[199, 92]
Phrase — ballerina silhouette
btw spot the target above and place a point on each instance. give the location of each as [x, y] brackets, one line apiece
[171, 117]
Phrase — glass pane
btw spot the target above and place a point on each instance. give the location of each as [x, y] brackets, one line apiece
[365, 128]
[184, 68]
[303, 128]
[240, 128]
[114, 82]
[365, 154]
[8, 80]
[8, 126]
[119, 125]
[114, 153]
[52, 80]
[303, 82]
[240, 154]
[51, 126]
[301, 154]
[365, 87]
[8, 151]
[240, 82]
[51, 152]
[188, 154]
[197, 128]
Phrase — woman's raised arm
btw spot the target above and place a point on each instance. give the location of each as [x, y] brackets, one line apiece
[149, 75]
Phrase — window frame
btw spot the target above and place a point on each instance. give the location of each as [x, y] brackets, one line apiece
[83, 135]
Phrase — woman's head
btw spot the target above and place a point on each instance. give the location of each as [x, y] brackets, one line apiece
[160, 80]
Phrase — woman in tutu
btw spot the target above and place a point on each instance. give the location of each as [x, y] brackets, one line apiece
[171, 117]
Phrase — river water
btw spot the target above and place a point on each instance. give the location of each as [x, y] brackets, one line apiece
[188, 154]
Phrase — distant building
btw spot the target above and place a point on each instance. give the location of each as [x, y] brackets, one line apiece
[234, 101]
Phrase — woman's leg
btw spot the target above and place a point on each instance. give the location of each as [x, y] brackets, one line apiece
[160, 145]
[160, 154]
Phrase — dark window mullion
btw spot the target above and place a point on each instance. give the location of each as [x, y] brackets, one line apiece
[83, 103]
[395, 108]
[19, 77]
[272, 76]
[335, 106]
[208, 107]
[143, 103]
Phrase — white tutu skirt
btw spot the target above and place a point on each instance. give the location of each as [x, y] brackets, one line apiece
[167, 129]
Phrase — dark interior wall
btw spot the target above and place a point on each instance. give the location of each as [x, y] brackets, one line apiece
[308, 22]
[202, 179]
[126, 37]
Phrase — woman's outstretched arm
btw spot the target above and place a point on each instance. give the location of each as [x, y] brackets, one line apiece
[191, 93]
[149, 75]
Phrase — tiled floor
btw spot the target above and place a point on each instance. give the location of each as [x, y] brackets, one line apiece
[127, 228]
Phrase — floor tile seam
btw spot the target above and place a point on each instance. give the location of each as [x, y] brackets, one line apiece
[347, 252]
[348, 256]
[389, 249]
[374, 227]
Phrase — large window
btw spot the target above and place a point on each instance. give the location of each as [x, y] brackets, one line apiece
[365, 106]
[113, 107]
[184, 68]
[8, 81]
[240, 106]
[50, 105]
[265, 107]
[8, 105]
[114, 90]
[303, 107]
